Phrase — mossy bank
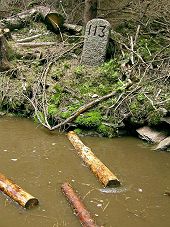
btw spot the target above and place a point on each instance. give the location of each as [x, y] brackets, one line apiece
[49, 84]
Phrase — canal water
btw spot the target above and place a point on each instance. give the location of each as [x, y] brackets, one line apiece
[40, 161]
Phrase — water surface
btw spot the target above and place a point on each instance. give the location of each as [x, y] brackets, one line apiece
[40, 161]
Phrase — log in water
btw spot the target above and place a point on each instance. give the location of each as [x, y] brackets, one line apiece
[80, 210]
[15, 192]
[106, 177]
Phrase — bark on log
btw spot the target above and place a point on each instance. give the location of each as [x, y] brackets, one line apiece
[50, 17]
[4, 63]
[20, 20]
[105, 176]
[80, 210]
[16, 193]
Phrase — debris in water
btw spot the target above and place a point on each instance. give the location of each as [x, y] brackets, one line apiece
[14, 159]
[99, 205]
[167, 193]
[140, 190]
[113, 190]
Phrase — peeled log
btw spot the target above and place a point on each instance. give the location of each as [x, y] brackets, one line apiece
[106, 177]
[16, 193]
[76, 203]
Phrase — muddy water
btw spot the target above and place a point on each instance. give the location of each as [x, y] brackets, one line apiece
[40, 161]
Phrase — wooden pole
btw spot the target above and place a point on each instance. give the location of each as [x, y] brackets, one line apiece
[23, 198]
[80, 210]
[106, 177]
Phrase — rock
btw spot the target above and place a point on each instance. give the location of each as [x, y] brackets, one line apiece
[96, 42]
[146, 133]
[166, 119]
[164, 144]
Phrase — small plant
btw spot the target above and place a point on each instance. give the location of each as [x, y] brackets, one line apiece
[79, 70]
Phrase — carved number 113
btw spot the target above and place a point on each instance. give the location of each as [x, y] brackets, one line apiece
[97, 29]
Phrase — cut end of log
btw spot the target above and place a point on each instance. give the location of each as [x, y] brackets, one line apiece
[54, 21]
[31, 203]
[113, 183]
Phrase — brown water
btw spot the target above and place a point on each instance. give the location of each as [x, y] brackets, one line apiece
[40, 161]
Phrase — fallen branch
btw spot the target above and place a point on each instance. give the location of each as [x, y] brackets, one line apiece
[31, 44]
[86, 107]
[79, 208]
[31, 38]
[105, 176]
[16, 193]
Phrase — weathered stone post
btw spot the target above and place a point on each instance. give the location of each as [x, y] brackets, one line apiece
[96, 41]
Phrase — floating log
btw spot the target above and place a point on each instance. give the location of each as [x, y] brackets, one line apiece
[80, 210]
[106, 177]
[23, 198]
[4, 63]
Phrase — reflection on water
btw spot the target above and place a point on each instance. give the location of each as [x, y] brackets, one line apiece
[40, 161]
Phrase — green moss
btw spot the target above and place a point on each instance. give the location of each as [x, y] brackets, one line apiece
[110, 70]
[90, 120]
[78, 131]
[69, 110]
[56, 97]
[154, 117]
[141, 97]
[106, 131]
[52, 110]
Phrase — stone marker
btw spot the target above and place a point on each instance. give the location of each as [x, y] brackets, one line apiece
[96, 41]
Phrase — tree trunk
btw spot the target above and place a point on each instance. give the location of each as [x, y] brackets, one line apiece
[16, 193]
[76, 203]
[90, 11]
[106, 177]
[4, 63]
